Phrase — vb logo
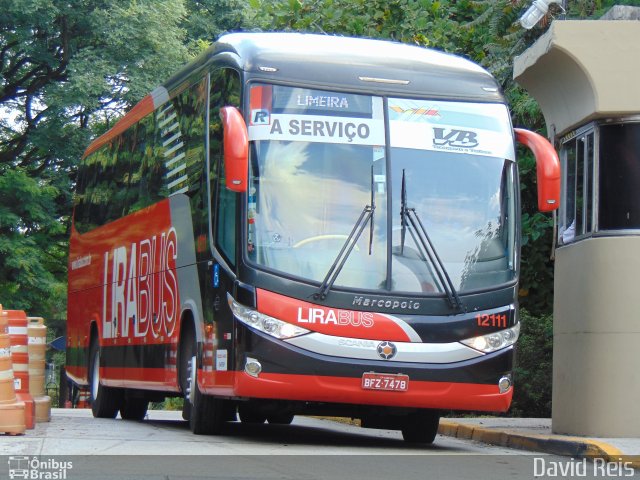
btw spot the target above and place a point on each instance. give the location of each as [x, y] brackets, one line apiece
[454, 138]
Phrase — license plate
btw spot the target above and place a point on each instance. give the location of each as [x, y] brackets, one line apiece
[385, 381]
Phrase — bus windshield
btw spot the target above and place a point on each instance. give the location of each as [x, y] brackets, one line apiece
[318, 158]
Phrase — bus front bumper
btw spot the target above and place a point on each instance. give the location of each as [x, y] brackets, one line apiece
[272, 369]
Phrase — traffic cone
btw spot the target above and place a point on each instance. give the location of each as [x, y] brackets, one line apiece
[12, 412]
[37, 346]
[20, 358]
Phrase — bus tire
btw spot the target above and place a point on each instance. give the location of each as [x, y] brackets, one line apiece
[280, 418]
[420, 427]
[134, 408]
[247, 414]
[205, 413]
[105, 401]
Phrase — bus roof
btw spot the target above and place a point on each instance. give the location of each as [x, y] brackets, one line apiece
[334, 63]
[341, 62]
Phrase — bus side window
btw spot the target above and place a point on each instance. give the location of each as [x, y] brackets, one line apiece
[181, 129]
[144, 180]
[225, 90]
[93, 195]
[81, 204]
[120, 174]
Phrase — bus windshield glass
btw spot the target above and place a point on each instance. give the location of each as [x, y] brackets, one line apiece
[318, 158]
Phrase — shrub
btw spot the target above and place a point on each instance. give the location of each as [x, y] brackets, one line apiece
[533, 371]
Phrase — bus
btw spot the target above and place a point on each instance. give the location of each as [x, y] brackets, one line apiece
[298, 224]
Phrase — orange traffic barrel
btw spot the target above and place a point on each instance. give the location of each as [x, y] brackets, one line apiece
[7, 386]
[12, 412]
[12, 418]
[43, 408]
[7, 390]
[37, 347]
[20, 358]
[19, 349]
[29, 409]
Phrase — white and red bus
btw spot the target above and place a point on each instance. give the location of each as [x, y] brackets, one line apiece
[301, 224]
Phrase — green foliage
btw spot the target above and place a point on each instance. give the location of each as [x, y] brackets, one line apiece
[536, 266]
[207, 20]
[32, 245]
[169, 403]
[533, 372]
[67, 69]
[422, 22]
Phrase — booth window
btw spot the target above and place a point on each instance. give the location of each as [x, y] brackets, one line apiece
[576, 215]
[619, 201]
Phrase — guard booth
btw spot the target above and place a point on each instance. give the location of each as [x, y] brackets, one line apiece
[585, 76]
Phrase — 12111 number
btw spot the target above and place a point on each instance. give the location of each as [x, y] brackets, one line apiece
[493, 320]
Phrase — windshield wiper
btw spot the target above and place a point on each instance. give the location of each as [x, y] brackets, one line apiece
[347, 247]
[403, 213]
[410, 216]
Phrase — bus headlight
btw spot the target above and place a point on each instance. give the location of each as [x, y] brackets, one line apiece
[494, 341]
[264, 323]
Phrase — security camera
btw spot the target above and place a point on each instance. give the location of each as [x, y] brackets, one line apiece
[536, 11]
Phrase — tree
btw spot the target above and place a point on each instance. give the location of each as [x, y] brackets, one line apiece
[69, 69]
[206, 20]
[30, 247]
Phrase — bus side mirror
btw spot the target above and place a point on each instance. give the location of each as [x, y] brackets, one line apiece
[236, 149]
[547, 168]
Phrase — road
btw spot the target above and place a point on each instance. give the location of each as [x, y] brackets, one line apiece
[310, 449]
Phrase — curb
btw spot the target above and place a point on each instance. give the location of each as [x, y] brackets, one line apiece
[551, 444]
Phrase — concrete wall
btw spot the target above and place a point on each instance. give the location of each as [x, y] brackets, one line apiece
[581, 70]
[596, 346]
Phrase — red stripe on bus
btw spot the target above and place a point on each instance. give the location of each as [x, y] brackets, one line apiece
[331, 321]
[150, 378]
[143, 108]
[211, 382]
[437, 395]
[260, 98]
[216, 382]
[255, 101]
[267, 97]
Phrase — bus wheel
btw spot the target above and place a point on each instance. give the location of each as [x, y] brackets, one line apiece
[134, 408]
[280, 418]
[248, 414]
[205, 413]
[421, 427]
[105, 401]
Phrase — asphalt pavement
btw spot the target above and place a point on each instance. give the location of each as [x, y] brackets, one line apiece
[526, 434]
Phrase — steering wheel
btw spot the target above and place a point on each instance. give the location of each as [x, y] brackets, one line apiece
[320, 238]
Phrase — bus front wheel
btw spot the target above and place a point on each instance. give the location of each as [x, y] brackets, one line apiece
[133, 408]
[248, 414]
[280, 418]
[204, 413]
[420, 427]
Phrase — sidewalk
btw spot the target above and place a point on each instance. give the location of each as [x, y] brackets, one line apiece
[534, 434]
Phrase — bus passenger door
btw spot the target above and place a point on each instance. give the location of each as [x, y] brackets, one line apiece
[224, 204]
